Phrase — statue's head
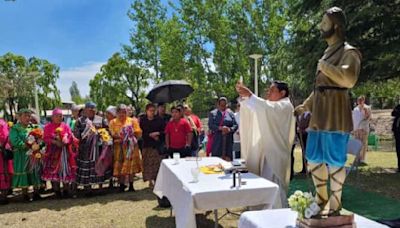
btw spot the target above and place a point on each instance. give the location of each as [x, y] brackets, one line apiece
[333, 23]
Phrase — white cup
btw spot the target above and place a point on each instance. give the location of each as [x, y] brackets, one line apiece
[195, 174]
[176, 157]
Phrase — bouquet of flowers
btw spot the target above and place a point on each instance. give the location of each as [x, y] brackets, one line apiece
[66, 167]
[36, 150]
[304, 204]
[128, 140]
[61, 136]
[105, 137]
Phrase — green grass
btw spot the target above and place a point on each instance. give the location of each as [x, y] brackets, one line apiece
[373, 193]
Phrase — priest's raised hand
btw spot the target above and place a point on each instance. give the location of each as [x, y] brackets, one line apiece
[242, 90]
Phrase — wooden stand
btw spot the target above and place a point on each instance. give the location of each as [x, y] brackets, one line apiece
[345, 220]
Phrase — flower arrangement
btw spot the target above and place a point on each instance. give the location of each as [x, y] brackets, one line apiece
[36, 147]
[304, 204]
[105, 137]
[61, 136]
[58, 133]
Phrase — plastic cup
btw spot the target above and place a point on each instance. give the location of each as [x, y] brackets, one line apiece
[176, 157]
[195, 174]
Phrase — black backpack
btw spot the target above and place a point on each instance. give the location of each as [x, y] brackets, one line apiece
[163, 202]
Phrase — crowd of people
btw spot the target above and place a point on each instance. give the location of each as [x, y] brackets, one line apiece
[96, 150]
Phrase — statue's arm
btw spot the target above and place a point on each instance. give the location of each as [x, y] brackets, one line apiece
[306, 106]
[345, 74]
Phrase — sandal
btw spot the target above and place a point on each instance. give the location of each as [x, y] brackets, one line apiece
[333, 193]
[323, 183]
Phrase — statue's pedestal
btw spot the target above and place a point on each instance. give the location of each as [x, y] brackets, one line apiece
[345, 220]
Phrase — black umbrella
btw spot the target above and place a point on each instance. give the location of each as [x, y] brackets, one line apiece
[169, 91]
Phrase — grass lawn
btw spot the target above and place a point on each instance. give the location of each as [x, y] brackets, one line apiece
[373, 192]
[376, 186]
[378, 176]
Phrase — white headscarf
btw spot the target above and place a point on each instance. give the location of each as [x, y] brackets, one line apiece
[112, 109]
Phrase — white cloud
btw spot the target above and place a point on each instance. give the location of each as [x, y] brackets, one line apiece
[81, 75]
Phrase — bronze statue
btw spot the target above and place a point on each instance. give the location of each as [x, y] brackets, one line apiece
[330, 105]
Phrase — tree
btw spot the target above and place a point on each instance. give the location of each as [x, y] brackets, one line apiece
[119, 81]
[173, 50]
[18, 77]
[46, 75]
[15, 84]
[208, 42]
[75, 93]
[144, 48]
[371, 27]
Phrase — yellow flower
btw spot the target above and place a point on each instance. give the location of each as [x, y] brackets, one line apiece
[10, 124]
[59, 129]
[38, 155]
[106, 138]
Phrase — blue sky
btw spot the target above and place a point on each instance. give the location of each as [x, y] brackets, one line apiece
[77, 35]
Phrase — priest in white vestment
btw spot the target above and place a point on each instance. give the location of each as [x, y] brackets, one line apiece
[268, 135]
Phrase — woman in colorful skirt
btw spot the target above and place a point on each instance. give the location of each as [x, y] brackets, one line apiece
[5, 162]
[59, 160]
[127, 162]
[26, 169]
[153, 141]
[90, 148]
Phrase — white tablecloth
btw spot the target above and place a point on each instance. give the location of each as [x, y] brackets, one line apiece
[286, 218]
[213, 191]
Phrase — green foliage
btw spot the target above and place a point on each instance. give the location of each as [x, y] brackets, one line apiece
[147, 15]
[371, 27]
[17, 83]
[382, 94]
[46, 75]
[172, 50]
[119, 82]
[208, 42]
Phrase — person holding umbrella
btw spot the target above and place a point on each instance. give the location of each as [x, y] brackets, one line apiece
[162, 113]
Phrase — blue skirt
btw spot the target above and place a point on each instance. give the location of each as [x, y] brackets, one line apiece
[327, 147]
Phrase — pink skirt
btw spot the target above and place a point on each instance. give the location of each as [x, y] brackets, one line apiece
[6, 171]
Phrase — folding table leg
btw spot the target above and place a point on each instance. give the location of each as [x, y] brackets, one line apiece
[216, 218]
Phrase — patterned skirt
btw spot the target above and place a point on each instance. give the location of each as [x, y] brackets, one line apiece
[22, 177]
[59, 165]
[5, 173]
[151, 163]
[86, 161]
[126, 166]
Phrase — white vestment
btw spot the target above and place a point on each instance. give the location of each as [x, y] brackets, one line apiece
[267, 131]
